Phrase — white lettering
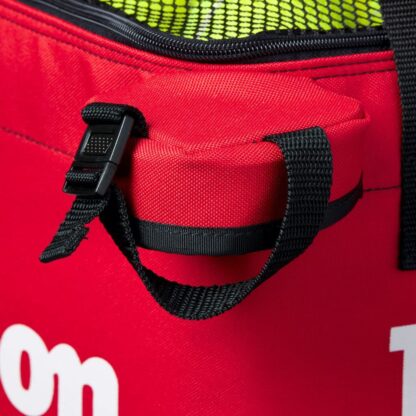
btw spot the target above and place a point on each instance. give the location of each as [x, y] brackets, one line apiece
[63, 361]
[403, 338]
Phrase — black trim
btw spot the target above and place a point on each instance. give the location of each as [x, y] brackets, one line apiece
[267, 46]
[227, 241]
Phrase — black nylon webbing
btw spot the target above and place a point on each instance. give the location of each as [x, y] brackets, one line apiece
[73, 230]
[400, 22]
[308, 161]
[96, 113]
[228, 241]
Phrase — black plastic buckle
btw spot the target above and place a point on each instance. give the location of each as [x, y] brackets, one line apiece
[98, 157]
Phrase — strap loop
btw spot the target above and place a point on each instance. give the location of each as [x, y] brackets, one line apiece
[308, 161]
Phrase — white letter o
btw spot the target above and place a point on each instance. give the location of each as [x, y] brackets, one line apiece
[37, 399]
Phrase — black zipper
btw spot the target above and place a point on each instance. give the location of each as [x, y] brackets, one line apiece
[263, 47]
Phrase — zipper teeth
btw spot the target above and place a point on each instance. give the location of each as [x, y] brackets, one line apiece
[217, 50]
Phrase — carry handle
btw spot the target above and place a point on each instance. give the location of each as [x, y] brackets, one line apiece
[308, 162]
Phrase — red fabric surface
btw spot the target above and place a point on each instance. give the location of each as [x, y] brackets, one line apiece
[206, 132]
[200, 144]
[203, 129]
[313, 340]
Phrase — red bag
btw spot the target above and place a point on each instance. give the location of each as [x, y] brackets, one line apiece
[229, 165]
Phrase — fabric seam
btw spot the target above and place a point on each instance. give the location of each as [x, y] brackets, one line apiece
[195, 152]
[52, 149]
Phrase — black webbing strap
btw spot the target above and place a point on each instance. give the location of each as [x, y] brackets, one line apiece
[400, 22]
[73, 230]
[308, 161]
[228, 241]
[97, 113]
